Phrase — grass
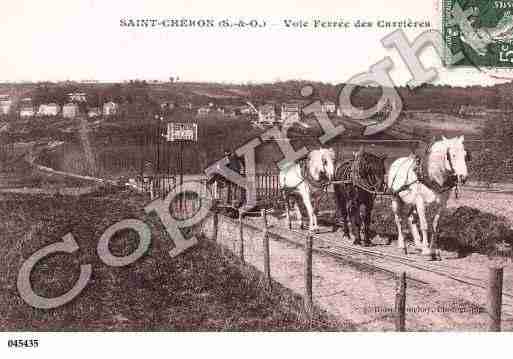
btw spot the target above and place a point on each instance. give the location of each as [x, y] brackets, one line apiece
[203, 289]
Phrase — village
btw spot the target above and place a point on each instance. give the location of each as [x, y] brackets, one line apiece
[139, 102]
[77, 105]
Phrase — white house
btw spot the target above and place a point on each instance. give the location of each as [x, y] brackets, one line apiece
[203, 111]
[94, 112]
[470, 110]
[5, 107]
[49, 109]
[77, 97]
[329, 107]
[110, 108]
[167, 105]
[70, 110]
[27, 111]
[291, 112]
[267, 114]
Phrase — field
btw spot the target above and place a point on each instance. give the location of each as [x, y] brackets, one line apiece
[121, 149]
[202, 289]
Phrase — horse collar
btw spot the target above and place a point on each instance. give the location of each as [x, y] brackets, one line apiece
[308, 177]
[450, 181]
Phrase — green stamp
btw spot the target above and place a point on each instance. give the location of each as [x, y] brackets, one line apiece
[481, 30]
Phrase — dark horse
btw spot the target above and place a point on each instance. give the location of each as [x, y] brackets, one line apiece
[357, 182]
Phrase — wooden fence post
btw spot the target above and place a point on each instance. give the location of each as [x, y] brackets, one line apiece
[400, 303]
[216, 222]
[495, 298]
[241, 236]
[267, 258]
[308, 300]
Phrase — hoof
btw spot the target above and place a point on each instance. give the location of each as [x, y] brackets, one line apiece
[427, 252]
[367, 243]
[357, 243]
[433, 257]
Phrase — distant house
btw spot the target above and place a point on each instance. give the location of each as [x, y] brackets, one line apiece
[231, 110]
[110, 108]
[94, 112]
[70, 110]
[203, 111]
[291, 111]
[49, 109]
[168, 105]
[247, 110]
[470, 110]
[77, 97]
[5, 107]
[329, 107]
[27, 111]
[267, 114]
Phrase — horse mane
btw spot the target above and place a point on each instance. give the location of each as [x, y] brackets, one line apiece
[435, 156]
[315, 159]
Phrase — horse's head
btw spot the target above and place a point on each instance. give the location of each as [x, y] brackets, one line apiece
[456, 158]
[322, 164]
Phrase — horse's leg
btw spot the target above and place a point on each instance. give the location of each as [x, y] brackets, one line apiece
[341, 211]
[152, 190]
[214, 190]
[396, 208]
[436, 219]
[355, 220]
[338, 206]
[307, 200]
[299, 215]
[287, 210]
[365, 214]
[421, 211]
[434, 236]
[414, 230]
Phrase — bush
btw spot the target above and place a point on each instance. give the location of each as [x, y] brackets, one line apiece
[468, 230]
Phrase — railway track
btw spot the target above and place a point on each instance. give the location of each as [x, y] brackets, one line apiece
[436, 268]
[373, 260]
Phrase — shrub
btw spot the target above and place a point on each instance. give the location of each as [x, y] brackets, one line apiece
[468, 230]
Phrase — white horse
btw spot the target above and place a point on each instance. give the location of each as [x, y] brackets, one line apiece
[443, 168]
[295, 180]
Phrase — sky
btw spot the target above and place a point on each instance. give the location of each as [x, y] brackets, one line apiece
[82, 39]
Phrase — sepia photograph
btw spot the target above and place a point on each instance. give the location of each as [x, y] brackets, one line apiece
[292, 169]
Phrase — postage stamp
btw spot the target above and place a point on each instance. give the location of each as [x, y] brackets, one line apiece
[480, 29]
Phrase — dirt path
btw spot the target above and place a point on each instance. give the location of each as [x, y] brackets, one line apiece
[360, 298]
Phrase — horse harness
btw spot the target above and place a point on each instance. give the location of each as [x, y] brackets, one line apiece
[421, 171]
[319, 185]
[357, 172]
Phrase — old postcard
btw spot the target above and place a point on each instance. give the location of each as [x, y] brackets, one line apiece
[294, 166]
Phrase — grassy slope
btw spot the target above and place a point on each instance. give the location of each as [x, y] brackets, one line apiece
[202, 289]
